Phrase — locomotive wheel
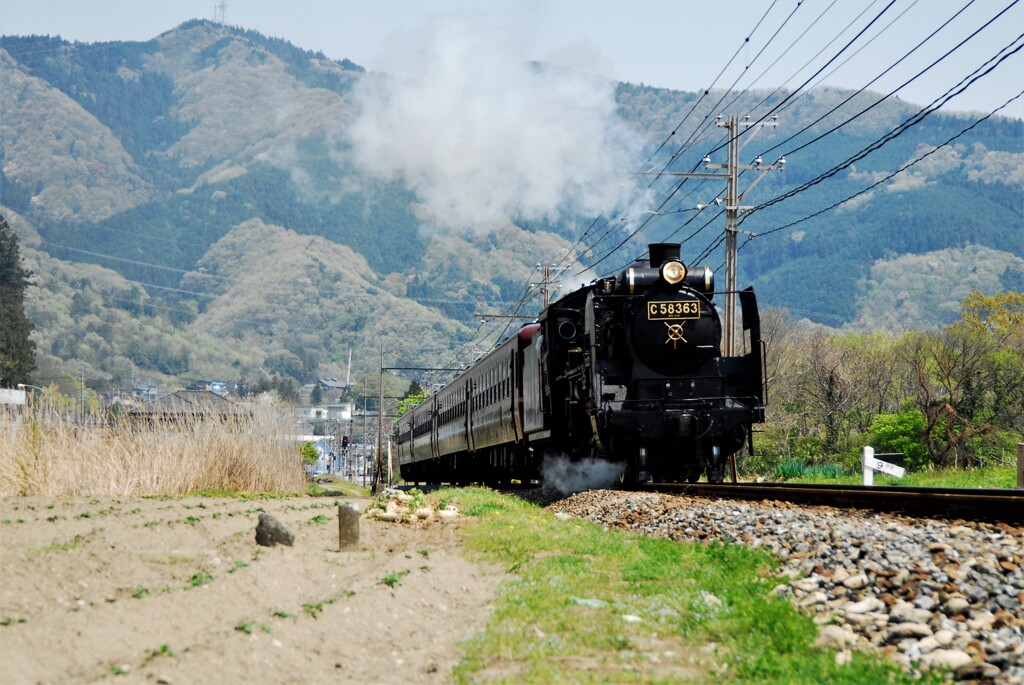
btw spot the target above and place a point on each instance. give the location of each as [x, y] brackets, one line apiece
[628, 478]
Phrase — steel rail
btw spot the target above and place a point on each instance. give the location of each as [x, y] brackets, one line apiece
[970, 504]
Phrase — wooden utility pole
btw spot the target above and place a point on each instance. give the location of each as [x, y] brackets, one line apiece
[379, 475]
[1020, 465]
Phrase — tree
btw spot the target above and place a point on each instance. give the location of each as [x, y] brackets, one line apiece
[410, 400]
[968, 379]
[309, 454]
[826, 382]
[17, 351]
[413, 390]
[316, 396]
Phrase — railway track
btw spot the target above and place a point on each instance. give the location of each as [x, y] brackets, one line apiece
[973, 504]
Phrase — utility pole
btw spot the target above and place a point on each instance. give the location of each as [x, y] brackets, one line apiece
[546, 281]
[380, 423]
[544, 286]
[733, 197]
[363, 449]
[733, 209]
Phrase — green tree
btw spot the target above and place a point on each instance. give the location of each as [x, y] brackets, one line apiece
[901, 433]
[316, 397]
[309, 454]
[17, 351]
[967, 380]
[410, 400]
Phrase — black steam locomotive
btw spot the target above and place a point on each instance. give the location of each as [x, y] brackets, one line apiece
[627, 369]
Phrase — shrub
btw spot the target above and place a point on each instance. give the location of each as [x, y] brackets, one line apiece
[901, 433]
[791, 468]
[824, 472]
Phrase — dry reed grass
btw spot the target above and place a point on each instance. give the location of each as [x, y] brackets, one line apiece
[42, 453]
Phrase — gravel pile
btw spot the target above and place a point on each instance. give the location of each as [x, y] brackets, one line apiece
[931, 594]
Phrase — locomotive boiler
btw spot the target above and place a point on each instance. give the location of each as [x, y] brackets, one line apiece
[627, 369]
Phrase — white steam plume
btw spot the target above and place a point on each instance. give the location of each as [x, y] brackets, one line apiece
[484, 136]
[569, 476]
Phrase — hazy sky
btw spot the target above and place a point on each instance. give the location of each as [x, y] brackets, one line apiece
[681, 44]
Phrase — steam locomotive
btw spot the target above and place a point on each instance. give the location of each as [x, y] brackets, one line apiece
[628, 369]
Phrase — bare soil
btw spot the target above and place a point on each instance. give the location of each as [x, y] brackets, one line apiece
[176, 590]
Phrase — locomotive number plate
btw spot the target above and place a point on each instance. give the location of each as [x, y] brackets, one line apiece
[667, 311]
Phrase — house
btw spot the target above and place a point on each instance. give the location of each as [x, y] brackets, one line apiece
[329, 411]
[324, 463]
[145, 393]
[333, 387]
[190, 405]
[12, 398]
[327, 461]
[219, 387]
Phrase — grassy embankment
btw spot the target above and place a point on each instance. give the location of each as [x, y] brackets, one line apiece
[587, 605]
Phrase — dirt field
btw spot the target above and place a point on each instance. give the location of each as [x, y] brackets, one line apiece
[176, 590]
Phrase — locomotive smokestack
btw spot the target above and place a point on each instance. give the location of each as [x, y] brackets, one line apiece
[663, 252]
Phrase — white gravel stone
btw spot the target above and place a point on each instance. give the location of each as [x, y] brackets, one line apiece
[835, 637]
[864, 606]
[946, 658]
[856, 582]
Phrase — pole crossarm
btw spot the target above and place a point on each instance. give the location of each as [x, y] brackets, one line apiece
[680, 174]
[504, 316]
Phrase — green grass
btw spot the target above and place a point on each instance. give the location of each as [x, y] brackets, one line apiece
[343, 488]
[162, 650]
[57, 546]
[587, 605]
[987, 477]
[393, 580]
[198, 579]
[237, 566]
[314, 609]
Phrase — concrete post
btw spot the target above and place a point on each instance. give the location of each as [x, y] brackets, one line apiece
[348, 526]
[869, 473]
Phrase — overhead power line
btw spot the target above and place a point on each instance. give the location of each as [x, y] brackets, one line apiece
[891, 175]
[1005, 53]
[892, 92]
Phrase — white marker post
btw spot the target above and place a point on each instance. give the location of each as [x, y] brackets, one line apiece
[870, 465]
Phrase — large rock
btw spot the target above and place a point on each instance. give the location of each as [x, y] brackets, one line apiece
[270, 532]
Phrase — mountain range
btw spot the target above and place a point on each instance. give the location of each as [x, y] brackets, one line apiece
[214, 202]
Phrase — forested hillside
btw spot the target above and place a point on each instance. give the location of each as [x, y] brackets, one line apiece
[214, 201]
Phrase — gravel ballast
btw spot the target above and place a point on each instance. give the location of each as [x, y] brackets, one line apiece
[930, 594]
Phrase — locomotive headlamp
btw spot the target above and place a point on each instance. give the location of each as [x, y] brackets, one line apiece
[673, 272]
